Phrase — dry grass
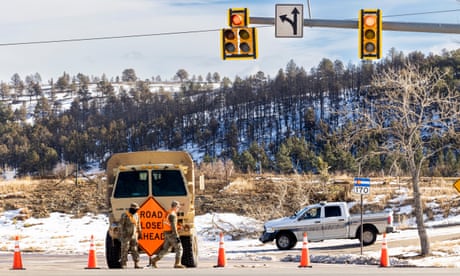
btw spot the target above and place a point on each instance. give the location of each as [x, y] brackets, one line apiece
[239, 185]
[260, 196]
[449, 247]
[40, 197]
[18, 185]
[285, 194]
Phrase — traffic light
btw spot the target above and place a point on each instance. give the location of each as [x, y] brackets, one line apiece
[239, 41]
[238, 17]
[370, 34]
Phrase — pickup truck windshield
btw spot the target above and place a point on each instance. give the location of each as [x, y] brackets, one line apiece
[296, 213]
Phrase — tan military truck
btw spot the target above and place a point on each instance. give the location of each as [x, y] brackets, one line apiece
[152, 179]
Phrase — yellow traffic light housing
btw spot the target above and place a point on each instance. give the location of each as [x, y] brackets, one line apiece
[239, 41]
[238, 17]
[370, 34]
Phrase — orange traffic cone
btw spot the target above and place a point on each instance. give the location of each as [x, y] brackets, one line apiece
[384, 258]
[221, 260]
[17, 260]
[305, 257]
[92, 263]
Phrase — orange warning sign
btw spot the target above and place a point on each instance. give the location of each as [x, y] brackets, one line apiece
[151, 215]
[457, 185]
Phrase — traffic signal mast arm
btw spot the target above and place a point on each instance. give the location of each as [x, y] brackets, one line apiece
[386, 26]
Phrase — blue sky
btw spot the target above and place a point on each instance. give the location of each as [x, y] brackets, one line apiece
[198, 52]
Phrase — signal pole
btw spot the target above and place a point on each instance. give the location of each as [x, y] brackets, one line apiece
[386, 26]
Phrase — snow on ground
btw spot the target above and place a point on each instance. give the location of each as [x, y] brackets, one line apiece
[62, 234]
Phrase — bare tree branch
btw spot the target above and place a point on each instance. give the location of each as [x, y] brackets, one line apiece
[412, 113]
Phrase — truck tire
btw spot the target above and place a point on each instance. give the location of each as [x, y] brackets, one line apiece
[112, 252]
[285, 240]
[190, 251]
[369, 235]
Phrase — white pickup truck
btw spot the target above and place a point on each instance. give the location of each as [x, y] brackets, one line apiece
[324, 221]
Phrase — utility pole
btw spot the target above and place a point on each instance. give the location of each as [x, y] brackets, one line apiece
[386, 26]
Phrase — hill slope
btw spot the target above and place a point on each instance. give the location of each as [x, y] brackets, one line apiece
[259, 196]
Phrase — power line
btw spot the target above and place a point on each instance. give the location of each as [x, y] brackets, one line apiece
[420, 13]
[170, 33]
[104, 38]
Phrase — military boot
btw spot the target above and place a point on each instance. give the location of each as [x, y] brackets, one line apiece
[136, 265]
[178, 264]
[153, 262]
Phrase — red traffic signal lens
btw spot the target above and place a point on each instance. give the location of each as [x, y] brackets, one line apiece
[236, 20]
[244, 34]
[370, 20]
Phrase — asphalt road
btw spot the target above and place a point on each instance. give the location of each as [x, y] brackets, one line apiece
[49, 265]
[353, 246]
[46, 265]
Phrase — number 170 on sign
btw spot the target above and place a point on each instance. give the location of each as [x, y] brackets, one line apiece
[361, 185]
[361, 189]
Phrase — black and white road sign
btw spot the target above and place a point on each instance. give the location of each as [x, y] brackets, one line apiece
[288, 20]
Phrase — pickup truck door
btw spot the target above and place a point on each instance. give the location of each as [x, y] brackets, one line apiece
[335, 223]
[309, 222]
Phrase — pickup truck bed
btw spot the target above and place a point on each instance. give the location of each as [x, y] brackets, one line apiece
[325, 221]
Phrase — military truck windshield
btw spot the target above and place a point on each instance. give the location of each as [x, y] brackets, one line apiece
[168, 183]
[132, 184]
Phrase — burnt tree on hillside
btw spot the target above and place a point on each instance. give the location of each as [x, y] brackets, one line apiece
[222, 122]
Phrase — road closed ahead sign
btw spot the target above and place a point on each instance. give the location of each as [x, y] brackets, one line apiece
[151, 215]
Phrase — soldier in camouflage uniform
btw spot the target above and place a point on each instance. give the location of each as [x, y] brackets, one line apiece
[130, 230]
[172, 238]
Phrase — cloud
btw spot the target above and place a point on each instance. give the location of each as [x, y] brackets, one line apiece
[184, 34]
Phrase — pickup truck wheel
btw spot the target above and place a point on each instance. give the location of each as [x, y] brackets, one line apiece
[285, 241]
[369, 236]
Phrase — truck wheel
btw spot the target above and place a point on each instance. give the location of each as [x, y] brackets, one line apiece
[190, 251]
[112, 252]
[369, 236]
[285, 241]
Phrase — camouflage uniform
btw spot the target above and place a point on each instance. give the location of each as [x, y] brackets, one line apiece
[130, 229]
[172, 238]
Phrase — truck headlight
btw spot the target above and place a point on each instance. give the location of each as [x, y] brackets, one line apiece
[269, 230]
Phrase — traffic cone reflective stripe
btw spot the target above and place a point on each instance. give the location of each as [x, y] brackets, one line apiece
[92, 263]
[305, 256]
[384, 258]
[17, 260]
[221, 260]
